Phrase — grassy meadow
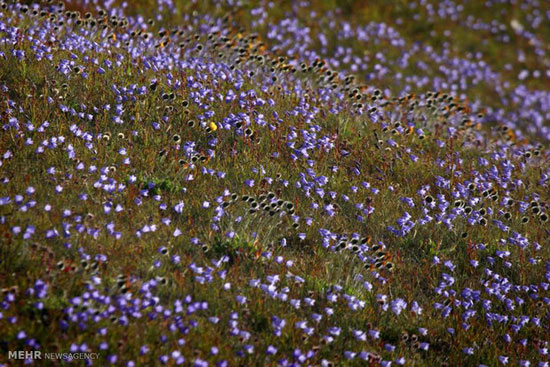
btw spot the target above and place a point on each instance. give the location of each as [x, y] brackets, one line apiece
[294, 183]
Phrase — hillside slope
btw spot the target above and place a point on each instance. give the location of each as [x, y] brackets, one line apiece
[293, 184]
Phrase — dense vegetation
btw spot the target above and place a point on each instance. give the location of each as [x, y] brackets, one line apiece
[305, 183]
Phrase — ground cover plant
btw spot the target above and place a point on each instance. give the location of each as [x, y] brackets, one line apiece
[305, 183]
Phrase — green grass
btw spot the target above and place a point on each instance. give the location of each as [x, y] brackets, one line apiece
[414, 276]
